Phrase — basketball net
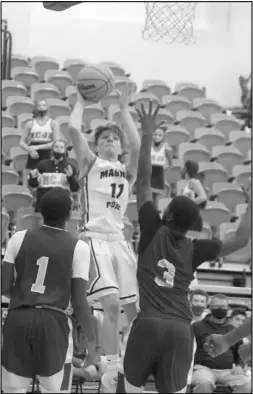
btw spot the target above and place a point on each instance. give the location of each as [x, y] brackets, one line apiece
[169, 22]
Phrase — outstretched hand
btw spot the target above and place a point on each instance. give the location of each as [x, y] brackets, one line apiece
[148, 119]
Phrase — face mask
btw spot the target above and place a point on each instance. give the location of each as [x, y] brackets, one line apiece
[157, 143]
[58, 155]
[197, 310]
[42, 113]
[219, 313]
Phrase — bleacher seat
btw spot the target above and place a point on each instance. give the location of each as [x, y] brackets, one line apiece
[216, 213]
[209, 137]
[21, 212]
[31, 221]
[5, 218]
[159, 90]
[19, 157]
[43, 63]
[73, 67]
[61, 79]
[7, 119]
[114, 114]
[164, 115]
[240, 141]
[18, 61]
[147, 82]
[9, 176]
[116, 69]
[23, 119]
[242, 173]
[63, 126]
[12, 88]
[227, 156]
[181, 85]
[225, 123]
[176, 103]
[196, 152]
[207, 107]
[110, 100]
[214, 172]
[240, 209]
[19, 105]
[9, 140]
[144, 98]
[98, 122]
[58, 107]
[191, 120]
[15, 197]
[93, 112]
[206, 232]
[173, 173]
[44, 91]
[176, 135]
[191, 92]
[124, 84]
[26, 75]
[229, 193]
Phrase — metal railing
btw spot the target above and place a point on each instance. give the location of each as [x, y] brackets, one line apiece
[6, 50]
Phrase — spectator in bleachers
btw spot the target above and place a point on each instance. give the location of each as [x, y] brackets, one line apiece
[54, 172]
[39, 135]
[161, 159]
[198, 302]
[237, 317]
[194, 189]
[225, 369]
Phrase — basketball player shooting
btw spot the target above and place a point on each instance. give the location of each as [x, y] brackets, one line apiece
[108, 184]
[161, 339]
[51, 268]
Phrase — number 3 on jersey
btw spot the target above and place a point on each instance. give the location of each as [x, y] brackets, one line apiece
[38, 286]
[167, 279]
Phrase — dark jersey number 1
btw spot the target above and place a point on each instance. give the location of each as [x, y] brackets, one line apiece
[117, 190]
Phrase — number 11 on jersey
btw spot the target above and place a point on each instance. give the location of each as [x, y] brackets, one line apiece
[38, 286]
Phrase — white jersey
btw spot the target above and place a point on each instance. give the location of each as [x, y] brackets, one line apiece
[41, 134]
[158, 157]
[106, 196]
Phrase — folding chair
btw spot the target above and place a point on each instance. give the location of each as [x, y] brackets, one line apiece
[175, 103]
[43, 63]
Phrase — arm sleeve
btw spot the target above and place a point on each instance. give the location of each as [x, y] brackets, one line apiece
[13, 247]
[150, 221]
[205, 250]
[81, 261]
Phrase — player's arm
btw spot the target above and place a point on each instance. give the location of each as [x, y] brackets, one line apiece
[8, 265]
[133, 138]
[80, 276]
[56, 136]
[23, 143]
[199, 191]
[237, 334]
[84, 155]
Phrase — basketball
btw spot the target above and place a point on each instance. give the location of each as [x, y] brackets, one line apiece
[94, 82]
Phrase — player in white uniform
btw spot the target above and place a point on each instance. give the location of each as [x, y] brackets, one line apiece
[108, 183]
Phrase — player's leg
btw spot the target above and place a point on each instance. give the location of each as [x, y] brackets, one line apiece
[17, 363]
[175, 356]
[53, 350]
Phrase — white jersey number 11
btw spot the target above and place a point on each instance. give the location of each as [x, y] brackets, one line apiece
[38, 286]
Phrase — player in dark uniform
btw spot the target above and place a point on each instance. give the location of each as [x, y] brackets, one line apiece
[51, 268]
[161, 340]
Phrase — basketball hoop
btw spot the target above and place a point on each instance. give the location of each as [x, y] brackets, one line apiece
[169, 21]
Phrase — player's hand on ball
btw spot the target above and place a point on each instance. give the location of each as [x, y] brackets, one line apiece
[148, 118]
[69, 171]
[85, 103]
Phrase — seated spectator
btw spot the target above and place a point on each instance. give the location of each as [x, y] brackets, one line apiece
[198, 302]
[194, 189]
[39, 135]
[225, 369]
[91, 372]
[54, 172]
[237, 317]
[161, 159]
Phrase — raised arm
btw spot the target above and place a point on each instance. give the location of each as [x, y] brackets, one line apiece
[143, 183]
[84, 155]
[242, 235]
[132, 136]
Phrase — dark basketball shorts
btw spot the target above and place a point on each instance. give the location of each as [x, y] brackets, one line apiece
[37, 342]
[162, 348]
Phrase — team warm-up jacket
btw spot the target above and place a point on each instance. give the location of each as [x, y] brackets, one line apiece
[52, 174]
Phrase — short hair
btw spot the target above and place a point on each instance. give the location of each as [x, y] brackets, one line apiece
[220, 296]
[199, 292]
[191, 168]
[60, 140]
[55, 206]
[238, 311]
[113, 126]
[181, 213]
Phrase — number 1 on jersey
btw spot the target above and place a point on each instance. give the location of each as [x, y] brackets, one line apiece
[38, 286]
[119, 191]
